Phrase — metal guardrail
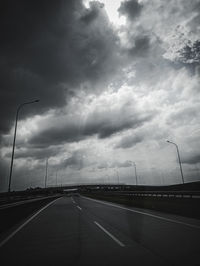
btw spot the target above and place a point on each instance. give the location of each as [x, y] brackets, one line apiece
[169, 194]
[13, 204]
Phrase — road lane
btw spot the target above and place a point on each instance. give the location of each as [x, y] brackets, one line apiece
[68, 233]
[63, 235]
[173, 238]
[154, 214]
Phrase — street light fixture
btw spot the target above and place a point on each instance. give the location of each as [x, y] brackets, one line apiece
[14, 139]
[178, 159]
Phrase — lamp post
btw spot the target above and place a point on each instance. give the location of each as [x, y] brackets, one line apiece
[117, 175]
[14, 139]
[136, 178]
[46, 174]
[56, 177]
[178, 159]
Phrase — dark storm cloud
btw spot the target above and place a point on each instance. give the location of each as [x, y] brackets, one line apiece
[92, 13]
[141, 46]
[192, 159]
[130, 8]
[189, 55]
[37, 153]
[129, 141]
[185, 115]
[103, 165]
[56, 136]
[106, 165]
[122, 164]
[103, 124]
[76, 161]
[48, 50]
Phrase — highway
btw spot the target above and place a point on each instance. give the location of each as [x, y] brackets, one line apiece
[81, 231]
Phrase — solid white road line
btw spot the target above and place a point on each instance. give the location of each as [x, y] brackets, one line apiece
[145, 213]
[110, 235]
[79, 208]
[72, 200]
[25, 223]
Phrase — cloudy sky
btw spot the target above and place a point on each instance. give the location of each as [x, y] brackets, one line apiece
[115, 79]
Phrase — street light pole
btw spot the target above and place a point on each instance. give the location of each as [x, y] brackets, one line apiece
[136, 178]
[179, 159]
[56, 177]
[117, 175]
[14, 139]
[46, 174]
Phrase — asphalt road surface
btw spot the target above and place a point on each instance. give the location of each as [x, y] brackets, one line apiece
[82, 231]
